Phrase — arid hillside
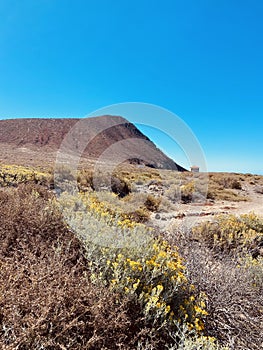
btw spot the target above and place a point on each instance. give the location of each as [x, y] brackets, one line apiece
[36, 141]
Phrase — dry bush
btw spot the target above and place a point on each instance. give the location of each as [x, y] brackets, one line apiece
[173, 193]
[230, 181]
[129, 260]
[220, 193]
[167, 206]
[187, 192]
[135, 206]
[13, 175]
[120, 186]
[259, 189]
[225, 187]
[28, 219]
[46, 298]
[140, 215]
[152, 203]
[45, 304]
[233, 288]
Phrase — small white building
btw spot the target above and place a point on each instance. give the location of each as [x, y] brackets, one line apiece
[195, 169]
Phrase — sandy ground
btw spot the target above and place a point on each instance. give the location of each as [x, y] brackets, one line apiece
[191, 214]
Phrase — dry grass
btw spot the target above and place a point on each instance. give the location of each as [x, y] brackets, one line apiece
[232, 282]
[47, 300]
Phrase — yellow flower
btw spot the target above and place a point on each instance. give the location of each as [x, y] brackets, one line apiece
[202, 304]
[159, 288]
[162, 254]
[115, 264]
[154, 299]
[199, 326]
[167, 309]
[135, 265]
[156, 247]
[135, 285]
[200, 311]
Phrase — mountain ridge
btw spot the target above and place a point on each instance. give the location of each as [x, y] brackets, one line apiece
[32, 137]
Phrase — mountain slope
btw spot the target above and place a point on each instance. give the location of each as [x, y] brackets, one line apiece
[36, 141]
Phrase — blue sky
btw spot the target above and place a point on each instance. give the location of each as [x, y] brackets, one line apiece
[200, 59]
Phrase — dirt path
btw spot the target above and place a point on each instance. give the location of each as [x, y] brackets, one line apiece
[191, 214]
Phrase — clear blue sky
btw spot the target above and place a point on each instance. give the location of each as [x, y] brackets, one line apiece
[202, 60]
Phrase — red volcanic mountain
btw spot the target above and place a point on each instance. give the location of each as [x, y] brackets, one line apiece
[36, 141]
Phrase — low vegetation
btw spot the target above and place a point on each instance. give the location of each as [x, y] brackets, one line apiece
[224, 260]
[83, 271]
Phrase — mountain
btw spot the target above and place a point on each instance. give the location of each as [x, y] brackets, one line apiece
[36, 141]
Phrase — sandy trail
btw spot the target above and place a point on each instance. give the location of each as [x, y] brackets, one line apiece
[189, 215]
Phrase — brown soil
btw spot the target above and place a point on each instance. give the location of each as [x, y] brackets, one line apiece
[35, 142]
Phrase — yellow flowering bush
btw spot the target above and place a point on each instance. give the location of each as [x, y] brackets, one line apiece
[11, 175]
[230, 232]
[157, 277]
[127, 258]
[93, 223]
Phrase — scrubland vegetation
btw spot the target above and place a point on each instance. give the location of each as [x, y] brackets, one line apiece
[84, 271]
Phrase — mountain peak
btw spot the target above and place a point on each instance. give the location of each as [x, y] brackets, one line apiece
[37, 140]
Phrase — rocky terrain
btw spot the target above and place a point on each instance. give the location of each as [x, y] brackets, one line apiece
[36, 141]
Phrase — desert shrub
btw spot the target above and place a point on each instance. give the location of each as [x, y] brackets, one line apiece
[225, 180]
[13, 175]
[166, 205]
[120, 186]
[223, 187]
[259, 189]
[51, 297]
[128, 259]
[150, 269]
[236, 184]
[133, 207]
[64, 173]
[229, 195]
[140, 215]
[254, 270]
[152, 203]
[230, 233]
[85, 179]
[48, 304]
[173, 193]
[200, 343]
[29, 209]
[233, 289]
[46, 298]
[80, 291]
[220, 193]
[187, 192]
[233, 302]
[155, 275]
